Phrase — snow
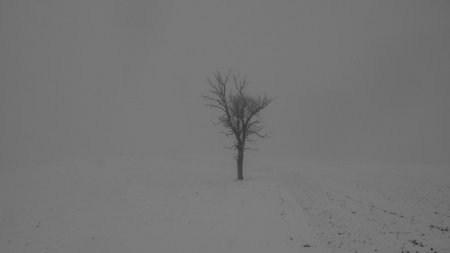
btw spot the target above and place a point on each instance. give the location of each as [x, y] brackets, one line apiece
[130, 204]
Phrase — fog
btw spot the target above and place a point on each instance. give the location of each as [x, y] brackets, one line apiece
[355, 80]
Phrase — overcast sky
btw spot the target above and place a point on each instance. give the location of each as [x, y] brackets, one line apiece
[364, 80]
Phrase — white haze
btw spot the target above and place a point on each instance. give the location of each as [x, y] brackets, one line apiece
[355, 80]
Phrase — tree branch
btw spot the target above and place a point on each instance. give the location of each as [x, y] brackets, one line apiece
[240, 112]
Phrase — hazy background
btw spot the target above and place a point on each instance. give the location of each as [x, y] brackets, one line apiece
[356, 80]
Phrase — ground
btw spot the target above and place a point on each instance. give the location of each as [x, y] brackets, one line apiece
[132, 204]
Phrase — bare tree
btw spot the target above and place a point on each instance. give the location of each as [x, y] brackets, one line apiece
[239, 112]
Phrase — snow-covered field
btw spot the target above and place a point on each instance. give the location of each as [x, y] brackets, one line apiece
[126, 204]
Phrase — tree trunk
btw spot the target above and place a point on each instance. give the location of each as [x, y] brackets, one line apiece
[240, 160]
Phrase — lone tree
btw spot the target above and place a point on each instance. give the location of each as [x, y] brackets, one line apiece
[239, 112]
